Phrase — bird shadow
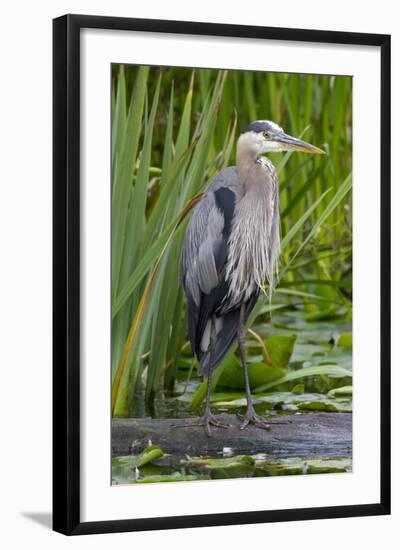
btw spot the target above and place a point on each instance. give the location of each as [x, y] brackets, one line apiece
[42, 518]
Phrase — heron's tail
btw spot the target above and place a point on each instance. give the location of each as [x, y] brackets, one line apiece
[226, 336]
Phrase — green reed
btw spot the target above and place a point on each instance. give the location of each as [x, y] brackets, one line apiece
[172, 130]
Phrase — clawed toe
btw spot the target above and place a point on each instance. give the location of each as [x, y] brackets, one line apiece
[206, 421]
[218, 424]
[252, 418]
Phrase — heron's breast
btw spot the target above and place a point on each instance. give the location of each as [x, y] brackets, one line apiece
[250, 256]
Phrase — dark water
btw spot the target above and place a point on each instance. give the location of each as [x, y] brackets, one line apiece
[316, 345]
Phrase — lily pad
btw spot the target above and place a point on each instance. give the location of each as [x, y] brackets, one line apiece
[293, 466]
[224, 468]
[282, 467]
[345, 340]
[259, 373]
[330, 370]
[280, 349]
[328, 465]
[298, 389]
[125, 469]
[176, 476]
[336, 356]
[215, 463]
[150, 453]
[344, 391]
[306, 352]
[307, 331]
[291, 402]
[122, 475]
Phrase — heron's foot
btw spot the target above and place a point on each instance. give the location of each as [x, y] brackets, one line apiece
[252, 418]
[207, 420]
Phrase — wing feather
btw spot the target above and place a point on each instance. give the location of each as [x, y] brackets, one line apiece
[204, 255]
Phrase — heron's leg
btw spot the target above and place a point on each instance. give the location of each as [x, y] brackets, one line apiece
[208, 419]
[250, 417]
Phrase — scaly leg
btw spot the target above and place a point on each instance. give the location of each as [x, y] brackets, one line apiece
[250, 417]
[208, 419]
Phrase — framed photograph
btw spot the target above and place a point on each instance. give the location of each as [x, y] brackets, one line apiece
[221, 274]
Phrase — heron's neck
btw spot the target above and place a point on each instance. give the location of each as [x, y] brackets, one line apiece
[246, 160]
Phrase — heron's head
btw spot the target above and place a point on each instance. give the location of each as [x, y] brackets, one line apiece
[264, 136]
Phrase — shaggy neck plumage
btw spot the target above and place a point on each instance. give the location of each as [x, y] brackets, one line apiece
[249, 265]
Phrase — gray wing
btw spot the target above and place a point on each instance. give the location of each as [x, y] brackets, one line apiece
[202, 249]
[203, 253]
[202, 268]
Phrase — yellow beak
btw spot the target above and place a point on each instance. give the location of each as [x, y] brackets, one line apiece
[290, 143]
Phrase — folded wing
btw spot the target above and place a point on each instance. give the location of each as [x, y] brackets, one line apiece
[203, 263]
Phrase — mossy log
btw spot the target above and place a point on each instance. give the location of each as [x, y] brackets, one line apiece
[301, 435]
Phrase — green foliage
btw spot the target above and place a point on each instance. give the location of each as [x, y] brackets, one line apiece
[150, 453]
[331, 370]
[216, 463]
[345, 340]
[172, 130]
[344, 391]
[287, 401]
[280, 349]
[259, 373]
[176, 476]
[236, 466]
[126, 468]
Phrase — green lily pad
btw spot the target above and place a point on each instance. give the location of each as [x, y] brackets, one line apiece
[150, 453]
[125, 469]
[280, 349]
[344, 391]
[259, 373]
[121, 475]
[307, 332]
[345, 340]
[229, 462]
[281, 400]
[224, 468]
[328, 465]
[281, 467]
[176, 476]
[305, 352]
[295, 465]
[298, 389]
[335, 356]
[215, 463]
[330, 370]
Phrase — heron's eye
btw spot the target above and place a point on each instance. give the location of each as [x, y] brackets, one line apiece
[266, 135]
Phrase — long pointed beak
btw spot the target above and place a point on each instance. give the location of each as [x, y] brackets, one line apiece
[293, 144]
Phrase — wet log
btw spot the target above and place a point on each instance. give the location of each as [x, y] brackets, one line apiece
[299, 435]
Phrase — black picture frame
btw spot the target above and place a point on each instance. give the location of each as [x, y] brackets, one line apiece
[66, 273]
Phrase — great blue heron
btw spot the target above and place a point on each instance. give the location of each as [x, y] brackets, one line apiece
[231, 248]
